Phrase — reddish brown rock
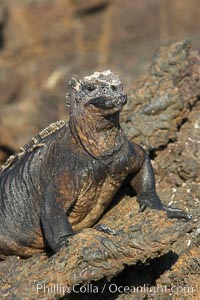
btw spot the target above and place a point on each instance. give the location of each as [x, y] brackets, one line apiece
[91, 255]
[44, 43]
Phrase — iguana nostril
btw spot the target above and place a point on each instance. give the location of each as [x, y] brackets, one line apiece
[113, 88]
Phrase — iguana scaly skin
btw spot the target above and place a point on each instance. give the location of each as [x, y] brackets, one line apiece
[64, 178]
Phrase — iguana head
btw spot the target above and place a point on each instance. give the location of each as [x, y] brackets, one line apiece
[102, 92]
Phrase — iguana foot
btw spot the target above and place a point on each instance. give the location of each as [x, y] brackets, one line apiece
[151, 200]
[177, 213]
[104, 228]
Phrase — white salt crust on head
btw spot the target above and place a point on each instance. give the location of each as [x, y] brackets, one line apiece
[105, 76]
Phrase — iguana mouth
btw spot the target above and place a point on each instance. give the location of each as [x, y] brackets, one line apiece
[108, 103]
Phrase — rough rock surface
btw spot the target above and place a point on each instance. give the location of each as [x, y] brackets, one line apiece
[92, 255]
[161, 101]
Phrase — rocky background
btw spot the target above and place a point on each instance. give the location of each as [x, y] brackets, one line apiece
[43, 44]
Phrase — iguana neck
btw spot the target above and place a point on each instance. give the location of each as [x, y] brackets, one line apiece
[100, 136]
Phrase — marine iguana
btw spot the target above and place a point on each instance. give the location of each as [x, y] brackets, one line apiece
[65, 177]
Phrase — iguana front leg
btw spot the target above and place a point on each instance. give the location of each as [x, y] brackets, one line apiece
[143, 184]
[54, 221]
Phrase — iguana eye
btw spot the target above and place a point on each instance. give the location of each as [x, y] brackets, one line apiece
[90, 88]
